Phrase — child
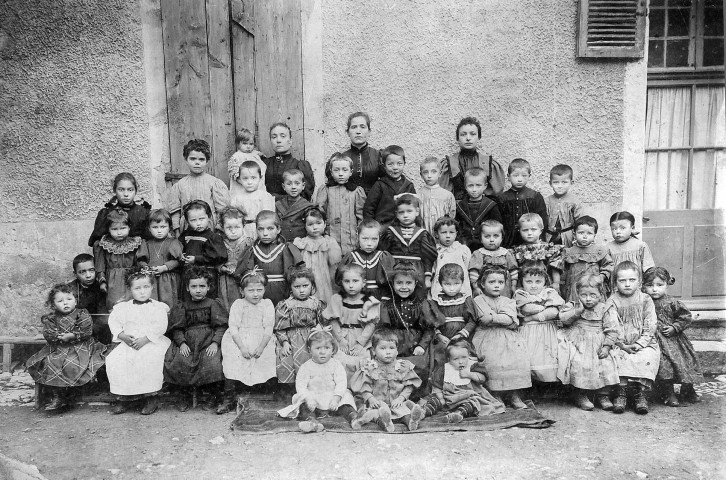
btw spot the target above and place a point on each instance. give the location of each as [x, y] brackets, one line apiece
[163, 254]
[380, 201]
[124, 189]
[449, 251]
[115, 254]
[71, 357]
[498, 345]
[636, 354]
[678, 360]
[203, 246]
[320, 252]
[410, 318]
[453, 167]
[294, 317]
[475, 208]
[135, 367]
[375, 262]
[584, 257]
[89, 295]
[248, 351]
[534, 249]
[321, 384]
[282, 160]
[246, 152]
[625, 245]
[352, 315]
[406, 240]
[272, 254]
[383, 385]
[518, 200]
[291, 207]
[584, 355]
[251, 196]
[342, 201]
[436, 202]
[232, 221]
[366, 159]
[196, 326]
[563, 207]
[537, 308]
[492, 254]
[458, 387]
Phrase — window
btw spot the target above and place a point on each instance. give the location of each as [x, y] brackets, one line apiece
[611, 28]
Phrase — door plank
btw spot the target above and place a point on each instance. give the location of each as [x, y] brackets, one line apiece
[243, 66]
[666, 245]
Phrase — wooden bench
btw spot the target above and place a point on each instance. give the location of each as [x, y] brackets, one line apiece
[7, 344]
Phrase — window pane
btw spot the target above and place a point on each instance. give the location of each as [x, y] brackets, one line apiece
[677, 53]
[655, 53]
[712, 52]
[709, 117]
[666, 176]
[678, 22]
[657, 3]
[657, 24]
[679, 3]
[712, 22]
[668, 117]
[708, 172]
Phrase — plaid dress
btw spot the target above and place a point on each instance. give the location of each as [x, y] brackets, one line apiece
[293, 321]
[67, 364]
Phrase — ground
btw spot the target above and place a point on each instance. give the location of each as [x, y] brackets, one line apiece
[89, 443]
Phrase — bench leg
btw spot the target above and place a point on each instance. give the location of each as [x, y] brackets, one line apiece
[7, 356]
[38, 394]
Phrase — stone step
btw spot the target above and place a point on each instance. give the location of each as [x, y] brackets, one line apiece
[712, 355]
[708, 325]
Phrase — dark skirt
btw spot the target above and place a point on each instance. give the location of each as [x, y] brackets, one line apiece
[678, 360]
[198, 368]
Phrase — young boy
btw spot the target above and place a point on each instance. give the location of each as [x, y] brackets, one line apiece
[475, 208]
[518, 200]
[90, 296]
[291, 207]
[454, 166]
[376, 263]
[278, 164]
[198, 185]
[563, 208]
[380, 203]
[436, 202]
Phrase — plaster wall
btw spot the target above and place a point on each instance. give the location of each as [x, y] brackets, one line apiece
[73, 97]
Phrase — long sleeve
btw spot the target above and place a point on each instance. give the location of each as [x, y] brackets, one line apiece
[214, 252]
[540, 208]
[143, 254]
[611, 328]
[340, 379]
[506, 313]
[428, 252]
[302, 379]
[99, 262]
[321, 200]
[307, 171]
[116, 323]
[495, 214]
[83, 329]
[445, 177]
[158, 324]
[427, 322]
[175, 253]
[361, 384]
[606, 265]
[50, 329]
[177, 324]
[282, 323]
[360, 200]
[570, 313]
[173, 205]
[650, 322]
[374, 198]
[682, 317]
[335, 255]
[236, 313]
[410, 381]
[220, 197]
[98, 227]
[219, 321]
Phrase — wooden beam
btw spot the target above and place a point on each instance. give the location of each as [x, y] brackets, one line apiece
[312, 80]
[243, 67]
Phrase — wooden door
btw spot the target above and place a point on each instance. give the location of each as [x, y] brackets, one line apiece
[231, 64]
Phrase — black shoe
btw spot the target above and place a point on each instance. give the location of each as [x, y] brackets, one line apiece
[639, 400]
[688, 393]
[184, 404]
[151, 405]
[621, 400]
[120, 407]
[55, 404]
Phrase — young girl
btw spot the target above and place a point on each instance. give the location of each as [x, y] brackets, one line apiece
[294, 317]
[71, 357]
[250, 195]
[196, 327]
[272, 254]
[407, 240]
[436, 202]
[383, 385]
[625, 245]
[678, 360]
[584, 257]
[203, 246]
[537, 308]
[375, 262]
[321, 384]
[380, 201]
[248, 351]
[245, 141]
[636, 354]
[124, 189]
[162, 253]
[497, 343]
[135, 367]
[114, 254]
[584, 355]
[236, 242]
[352, 315]
[458, 387]
[492, 254]
[449, 251]
[321, 253]
[342, 201]
[534, 249]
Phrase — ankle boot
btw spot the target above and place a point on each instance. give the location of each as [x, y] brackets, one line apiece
[688, 393]
[671, 398]
[582, 401]
[621, 399]
[604, 402]
[641, 403]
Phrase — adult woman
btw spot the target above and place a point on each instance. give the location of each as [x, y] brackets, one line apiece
[366, 159]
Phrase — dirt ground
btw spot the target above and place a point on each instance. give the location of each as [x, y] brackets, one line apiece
[89, 443]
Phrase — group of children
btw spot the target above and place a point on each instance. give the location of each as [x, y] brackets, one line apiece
[370, 300]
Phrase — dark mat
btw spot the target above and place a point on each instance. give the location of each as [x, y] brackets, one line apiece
[261, 418]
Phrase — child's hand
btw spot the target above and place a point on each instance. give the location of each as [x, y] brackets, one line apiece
[465, 374]
[127, 339]
[603, 352]
[668, 331]
[257, 353]
[103, 287]
[140, 342]
[373, 402]
[537, 308]
[628, 349]
[185, 350]
[334, 404]
[635, 347]
[212, 349]
[356, 350]
[286, 349]
[66, 337]
[188, 259]
[397, 402]
[226, 269]
[418, 351]
[487, 318]
[445, 341]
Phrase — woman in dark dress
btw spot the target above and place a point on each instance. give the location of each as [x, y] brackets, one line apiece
[366, 159]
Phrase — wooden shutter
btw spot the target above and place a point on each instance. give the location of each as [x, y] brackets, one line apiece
[611, 28]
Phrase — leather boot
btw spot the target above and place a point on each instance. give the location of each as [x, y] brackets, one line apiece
[639, 400]
[621, 399]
